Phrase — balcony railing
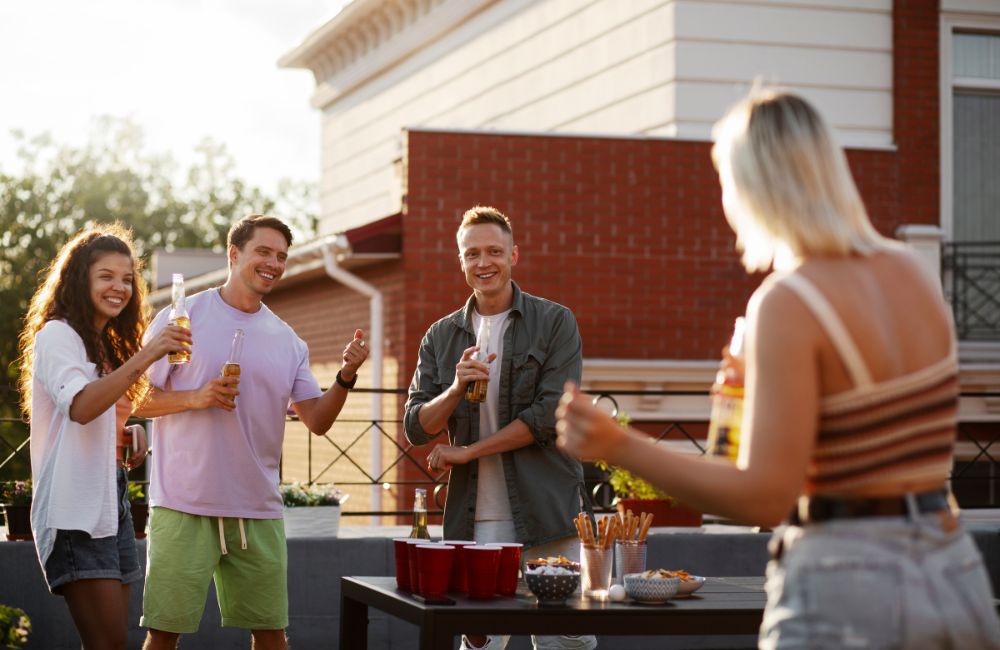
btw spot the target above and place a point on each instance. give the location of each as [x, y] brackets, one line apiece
[974, 476]
[971, 274]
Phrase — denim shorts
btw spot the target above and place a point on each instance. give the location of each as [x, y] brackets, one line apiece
[78, 556]
[885, 582]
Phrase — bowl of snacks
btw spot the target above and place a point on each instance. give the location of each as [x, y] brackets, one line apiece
[651, 586]
[558, 561]
[552, 585]
[689, 583]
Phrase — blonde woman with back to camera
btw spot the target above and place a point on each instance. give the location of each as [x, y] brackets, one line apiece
[851, 406]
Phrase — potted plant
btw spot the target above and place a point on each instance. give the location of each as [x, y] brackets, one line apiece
[639, 495]
[312, 510]
[16, 499]
[14, 627]
[140, 508]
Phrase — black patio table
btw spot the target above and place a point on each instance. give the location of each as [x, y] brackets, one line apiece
[722, 606]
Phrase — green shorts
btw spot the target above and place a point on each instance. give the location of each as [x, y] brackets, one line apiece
[184, 552]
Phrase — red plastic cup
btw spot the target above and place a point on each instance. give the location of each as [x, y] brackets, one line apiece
[481, 564]
[414, 560]
[508, 568]
[401, 548]
[435, 568]
[459, 582]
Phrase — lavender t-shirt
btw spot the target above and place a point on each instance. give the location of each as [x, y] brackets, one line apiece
[225, 463]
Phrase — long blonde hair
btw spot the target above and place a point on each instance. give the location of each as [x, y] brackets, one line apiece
[786, 183]
[64, 294]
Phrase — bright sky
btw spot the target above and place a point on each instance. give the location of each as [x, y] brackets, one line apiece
[182, 69]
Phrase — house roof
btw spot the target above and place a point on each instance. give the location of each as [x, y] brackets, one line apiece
[368, 37]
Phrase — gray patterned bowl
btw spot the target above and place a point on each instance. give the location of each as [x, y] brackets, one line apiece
[650, 590]
[552, 589]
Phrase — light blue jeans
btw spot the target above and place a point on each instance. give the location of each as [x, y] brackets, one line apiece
[886, 582]
[503, 531]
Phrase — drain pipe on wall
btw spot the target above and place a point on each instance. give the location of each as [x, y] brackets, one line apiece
[376, 338]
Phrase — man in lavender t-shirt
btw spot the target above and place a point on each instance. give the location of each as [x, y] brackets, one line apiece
[216, 509]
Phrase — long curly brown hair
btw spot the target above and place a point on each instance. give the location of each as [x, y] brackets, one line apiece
[64, 294]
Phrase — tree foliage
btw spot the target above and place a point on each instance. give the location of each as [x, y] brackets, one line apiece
[60, 189]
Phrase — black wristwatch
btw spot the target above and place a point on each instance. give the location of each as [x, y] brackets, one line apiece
[347, 384]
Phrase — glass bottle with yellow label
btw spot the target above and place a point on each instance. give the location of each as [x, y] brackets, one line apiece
[727, 404]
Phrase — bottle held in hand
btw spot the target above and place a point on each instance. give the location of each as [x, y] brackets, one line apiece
[179, 316]
[727, 404]
[476, 391]
[419, 530]
[126, 445]
[232, 366]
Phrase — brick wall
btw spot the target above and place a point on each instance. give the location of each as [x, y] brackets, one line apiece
[325, 313]
[916, 108]
[628, 233]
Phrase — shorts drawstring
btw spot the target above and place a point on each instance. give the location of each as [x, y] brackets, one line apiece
[222, 537]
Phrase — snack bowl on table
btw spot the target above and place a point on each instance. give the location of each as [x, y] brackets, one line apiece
[552, 585]
[689, 584]
[644, 588]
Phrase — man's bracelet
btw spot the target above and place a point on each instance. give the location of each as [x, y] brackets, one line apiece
[347, 384]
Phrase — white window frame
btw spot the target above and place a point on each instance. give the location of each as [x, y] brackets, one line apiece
[951, 23]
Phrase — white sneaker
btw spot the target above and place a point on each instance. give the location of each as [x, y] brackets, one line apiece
[467, 645]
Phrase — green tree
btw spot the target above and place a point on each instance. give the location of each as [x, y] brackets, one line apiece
[59, 189]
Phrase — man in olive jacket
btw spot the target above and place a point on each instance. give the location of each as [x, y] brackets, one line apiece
[509, 482]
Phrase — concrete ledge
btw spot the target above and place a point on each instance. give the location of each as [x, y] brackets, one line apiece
[315, 567]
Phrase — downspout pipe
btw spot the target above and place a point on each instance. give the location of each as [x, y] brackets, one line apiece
[376, 336]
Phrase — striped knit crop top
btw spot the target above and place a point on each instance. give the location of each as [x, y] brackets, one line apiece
[893, 431]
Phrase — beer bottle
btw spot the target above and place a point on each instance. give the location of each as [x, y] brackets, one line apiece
[419, 530]
[232, 366]
[179, 316]
[125, 445]
[476, 391]
[727, 404]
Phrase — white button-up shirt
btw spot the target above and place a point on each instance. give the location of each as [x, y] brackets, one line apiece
[72, 464]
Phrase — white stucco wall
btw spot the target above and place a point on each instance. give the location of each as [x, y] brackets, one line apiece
[654, 67]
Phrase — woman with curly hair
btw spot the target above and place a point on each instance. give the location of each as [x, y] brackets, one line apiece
[82, 370]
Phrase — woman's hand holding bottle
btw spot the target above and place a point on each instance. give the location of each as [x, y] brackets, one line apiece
[170, 339]
[139, 447]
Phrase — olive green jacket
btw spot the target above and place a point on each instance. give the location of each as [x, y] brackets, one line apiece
[541, 350]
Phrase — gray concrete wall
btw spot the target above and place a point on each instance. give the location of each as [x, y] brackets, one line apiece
[315, 567]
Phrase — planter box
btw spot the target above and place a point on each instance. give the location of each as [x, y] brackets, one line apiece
[665, 513]
[314, 521]
[18, 522]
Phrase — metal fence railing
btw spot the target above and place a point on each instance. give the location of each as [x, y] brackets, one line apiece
[971, 275]
[974, 476]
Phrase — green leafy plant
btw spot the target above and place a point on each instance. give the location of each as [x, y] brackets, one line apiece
[15, 493]
[298, 495]
[14, 627]
[629, 486]
[136, 493]
[625, 484]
